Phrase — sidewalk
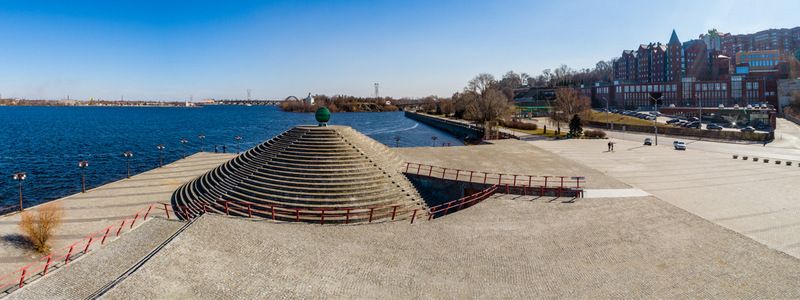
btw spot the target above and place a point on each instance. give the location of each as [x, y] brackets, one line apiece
[105, 205]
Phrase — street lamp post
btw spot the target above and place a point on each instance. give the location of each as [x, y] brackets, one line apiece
[128, 155]
[160, 148]
[238, 139]
[700, 107]
[82, 165]
[608, 123]
[183, 142]
[433, 138]
[20, 176]
[202, 138]
[655, 98]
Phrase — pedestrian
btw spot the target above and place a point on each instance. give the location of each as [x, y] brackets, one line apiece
[224, 149]
[215, 149]
[609, 146]
[612, 146]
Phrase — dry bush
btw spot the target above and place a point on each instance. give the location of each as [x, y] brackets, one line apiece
[39, 226]
[594, 133]
[519, 125]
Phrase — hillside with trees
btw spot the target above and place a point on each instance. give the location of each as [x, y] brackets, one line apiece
[340, 103]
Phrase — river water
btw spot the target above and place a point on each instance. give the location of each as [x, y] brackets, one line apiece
[48, 142]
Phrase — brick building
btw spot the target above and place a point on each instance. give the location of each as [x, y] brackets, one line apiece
[715, 69]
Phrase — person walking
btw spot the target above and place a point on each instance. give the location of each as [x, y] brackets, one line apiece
[609, 146]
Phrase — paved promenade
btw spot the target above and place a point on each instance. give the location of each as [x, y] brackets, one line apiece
[105, 205]
[504, 247]
[756, 199]
[508, 157]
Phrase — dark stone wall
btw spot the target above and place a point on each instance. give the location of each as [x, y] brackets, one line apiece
[436, 191]
[458, 130]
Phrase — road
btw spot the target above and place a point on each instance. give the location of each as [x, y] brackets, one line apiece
[786, 145]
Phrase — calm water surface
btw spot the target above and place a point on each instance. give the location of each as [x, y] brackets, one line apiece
[48, 142]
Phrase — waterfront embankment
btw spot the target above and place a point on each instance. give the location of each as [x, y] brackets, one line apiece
[105, 205]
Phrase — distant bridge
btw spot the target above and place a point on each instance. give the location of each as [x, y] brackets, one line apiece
[247, 102]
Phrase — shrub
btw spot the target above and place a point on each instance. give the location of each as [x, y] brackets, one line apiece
[599, 134]
[519, 125]
[39, 226]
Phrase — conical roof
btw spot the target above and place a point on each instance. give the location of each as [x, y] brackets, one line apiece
[307, 173]
[673, 39]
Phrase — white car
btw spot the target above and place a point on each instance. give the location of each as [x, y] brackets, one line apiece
[679, 145]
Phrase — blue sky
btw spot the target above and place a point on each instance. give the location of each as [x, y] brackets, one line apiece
[169, 50]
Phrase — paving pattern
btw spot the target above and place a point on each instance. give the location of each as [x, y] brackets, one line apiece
[504, 247]
[759, 200]
[105, 205]
[91, 272]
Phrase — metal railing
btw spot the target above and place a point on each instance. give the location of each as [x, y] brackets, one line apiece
[514, 180]
[323, 215]
[63, 256]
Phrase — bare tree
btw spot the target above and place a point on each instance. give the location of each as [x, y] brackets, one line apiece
[445, 106]
[568, 102]
[429, 104]
[483, 102]
[481, 83]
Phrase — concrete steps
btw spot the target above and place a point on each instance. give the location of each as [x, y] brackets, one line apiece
[303, 172]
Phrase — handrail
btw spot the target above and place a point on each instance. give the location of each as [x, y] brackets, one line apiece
[62, 256]
[320, 215]
[514, 180]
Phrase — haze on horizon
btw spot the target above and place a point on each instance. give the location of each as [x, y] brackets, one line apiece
[149, 50]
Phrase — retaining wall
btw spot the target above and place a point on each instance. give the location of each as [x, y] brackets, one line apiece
[459, 130]
[691, 132]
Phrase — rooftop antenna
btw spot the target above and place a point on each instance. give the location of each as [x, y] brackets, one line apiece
[377, 94]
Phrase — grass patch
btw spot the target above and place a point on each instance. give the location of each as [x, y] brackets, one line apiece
[621, 119]
[539, 131]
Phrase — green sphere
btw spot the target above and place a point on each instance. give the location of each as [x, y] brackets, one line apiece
[323, 115]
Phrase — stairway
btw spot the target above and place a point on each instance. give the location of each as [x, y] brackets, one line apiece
[330, 174]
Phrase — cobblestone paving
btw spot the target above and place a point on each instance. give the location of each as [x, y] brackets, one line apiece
[759, 200]
[504, 247]
[106, 205]
[89, 273]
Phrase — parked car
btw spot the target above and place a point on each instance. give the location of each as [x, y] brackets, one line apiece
[648, 141]
[748, 129]
[679, 145]
[696, 125]
[763, 127]
[713, 127]
[673, 121]
[693, 119]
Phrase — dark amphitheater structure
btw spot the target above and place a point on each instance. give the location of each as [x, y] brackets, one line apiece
[306, 174]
